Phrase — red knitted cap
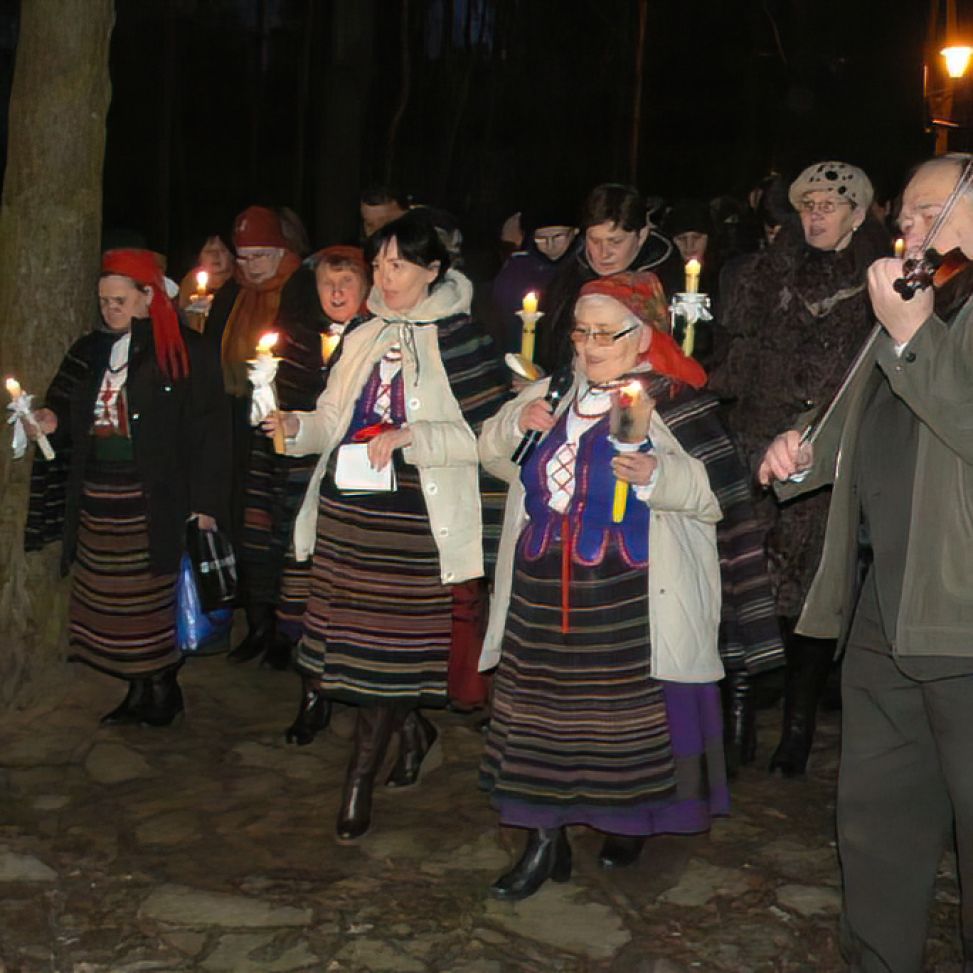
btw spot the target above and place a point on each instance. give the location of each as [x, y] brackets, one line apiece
[258, 226]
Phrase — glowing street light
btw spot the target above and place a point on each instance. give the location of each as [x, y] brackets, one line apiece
[957, 59]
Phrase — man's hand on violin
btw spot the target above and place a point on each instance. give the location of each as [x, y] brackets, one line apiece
[900, 318]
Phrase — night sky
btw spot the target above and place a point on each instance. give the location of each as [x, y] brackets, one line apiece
[221, 103]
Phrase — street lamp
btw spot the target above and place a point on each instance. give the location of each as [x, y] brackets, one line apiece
[957, 59]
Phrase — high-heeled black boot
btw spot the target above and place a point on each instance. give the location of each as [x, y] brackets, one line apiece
[547, 856]
[739, 721]
[162, 702]
[313, 715]
[127, 711]
[620, 850]
[260, 634]
[418, 738]
[373, 728]
[808, 664]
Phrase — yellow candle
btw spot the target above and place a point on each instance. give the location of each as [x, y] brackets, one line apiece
[329, 342]
[265, 346]
[692, 276]
[530, 303]
[13, 387]
[899, 248]
[202, 281]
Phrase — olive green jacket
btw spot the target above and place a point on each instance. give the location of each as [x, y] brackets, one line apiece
[933, 375]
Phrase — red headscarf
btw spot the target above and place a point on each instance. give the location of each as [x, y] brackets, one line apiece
[643, 295]
[142, 266]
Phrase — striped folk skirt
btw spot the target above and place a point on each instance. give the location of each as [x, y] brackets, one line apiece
[580, 733]
[122, 617]
[378, 621]
[269, 575]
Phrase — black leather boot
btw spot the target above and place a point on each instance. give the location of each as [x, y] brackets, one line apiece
[739, 721]
[162, 702]
[127, 711]
[620, 850]
[808, 664]
[373, 728]
[546, 856]
[313, 715]
[418, 738]
[260, 634]
[278, 654]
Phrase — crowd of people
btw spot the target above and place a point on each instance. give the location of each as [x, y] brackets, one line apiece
[592, 561]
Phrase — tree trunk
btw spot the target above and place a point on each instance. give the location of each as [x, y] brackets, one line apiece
[50, 230]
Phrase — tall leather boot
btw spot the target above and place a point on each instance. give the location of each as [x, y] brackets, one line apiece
[808, 664]
[739, 721]
[278, 653]
[260, 634]
[373, 728]
[546, 856]
[313, 715]
[127, 711]
[163, 699]
[418, 737]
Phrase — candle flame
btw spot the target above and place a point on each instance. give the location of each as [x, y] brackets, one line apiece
[899, 248]
[202, 280]
[693, 266]
[266, 343]
[329, 342]
[530, 303]
[13, 387]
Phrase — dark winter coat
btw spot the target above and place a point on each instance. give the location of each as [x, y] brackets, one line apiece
[180, 439]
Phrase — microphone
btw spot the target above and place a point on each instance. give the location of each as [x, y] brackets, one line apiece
[561, 382]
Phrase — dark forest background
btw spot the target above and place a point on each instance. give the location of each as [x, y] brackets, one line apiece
[481, 106]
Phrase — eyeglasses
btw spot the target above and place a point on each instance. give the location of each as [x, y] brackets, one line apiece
[249, 258]
[603, 339]
[826, 206]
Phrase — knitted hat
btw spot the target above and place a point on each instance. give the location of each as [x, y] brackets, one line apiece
[142, 266]
[258, 226]
[842, 180]
[688, 216]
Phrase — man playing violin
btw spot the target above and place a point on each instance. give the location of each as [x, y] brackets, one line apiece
[895, 585]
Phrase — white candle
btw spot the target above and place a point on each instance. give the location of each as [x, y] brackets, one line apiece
[13, 387]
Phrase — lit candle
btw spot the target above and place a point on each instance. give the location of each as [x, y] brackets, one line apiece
[629, 423]
[899, 248]
[329, 344]
[529, 316]
[202, 281]
[692, 276]
[22, 416]
[530, 303]
[265, 346]
[13, 387]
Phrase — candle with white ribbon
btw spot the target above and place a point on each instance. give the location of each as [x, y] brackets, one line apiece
[262, 373]
[21, 416]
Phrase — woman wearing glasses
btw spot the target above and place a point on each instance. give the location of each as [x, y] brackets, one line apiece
[797, 312]
[606, 711]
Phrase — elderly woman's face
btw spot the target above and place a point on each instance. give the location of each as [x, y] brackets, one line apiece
[121, 302]
[403, 284]
[259, 264]
[215, 258]
[611, 248]
[828, 222]
[605, 346]
[341, 291]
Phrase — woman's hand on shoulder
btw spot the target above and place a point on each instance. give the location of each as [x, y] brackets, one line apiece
[635, 468]
[537, 416]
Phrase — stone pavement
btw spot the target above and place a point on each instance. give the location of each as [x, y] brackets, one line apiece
[208, 846]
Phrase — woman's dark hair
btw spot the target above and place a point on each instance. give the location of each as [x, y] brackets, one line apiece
[615, 203]
[417, 241]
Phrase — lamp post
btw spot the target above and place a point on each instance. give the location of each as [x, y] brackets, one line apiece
[940, 77]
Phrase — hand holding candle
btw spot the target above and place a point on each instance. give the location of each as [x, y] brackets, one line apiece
[529, 315]
[263, 402]
[23, 418]
[629, 419]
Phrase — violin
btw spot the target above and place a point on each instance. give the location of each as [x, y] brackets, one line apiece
[934, 269]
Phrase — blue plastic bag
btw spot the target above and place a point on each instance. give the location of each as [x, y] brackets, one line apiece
[198, 632]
